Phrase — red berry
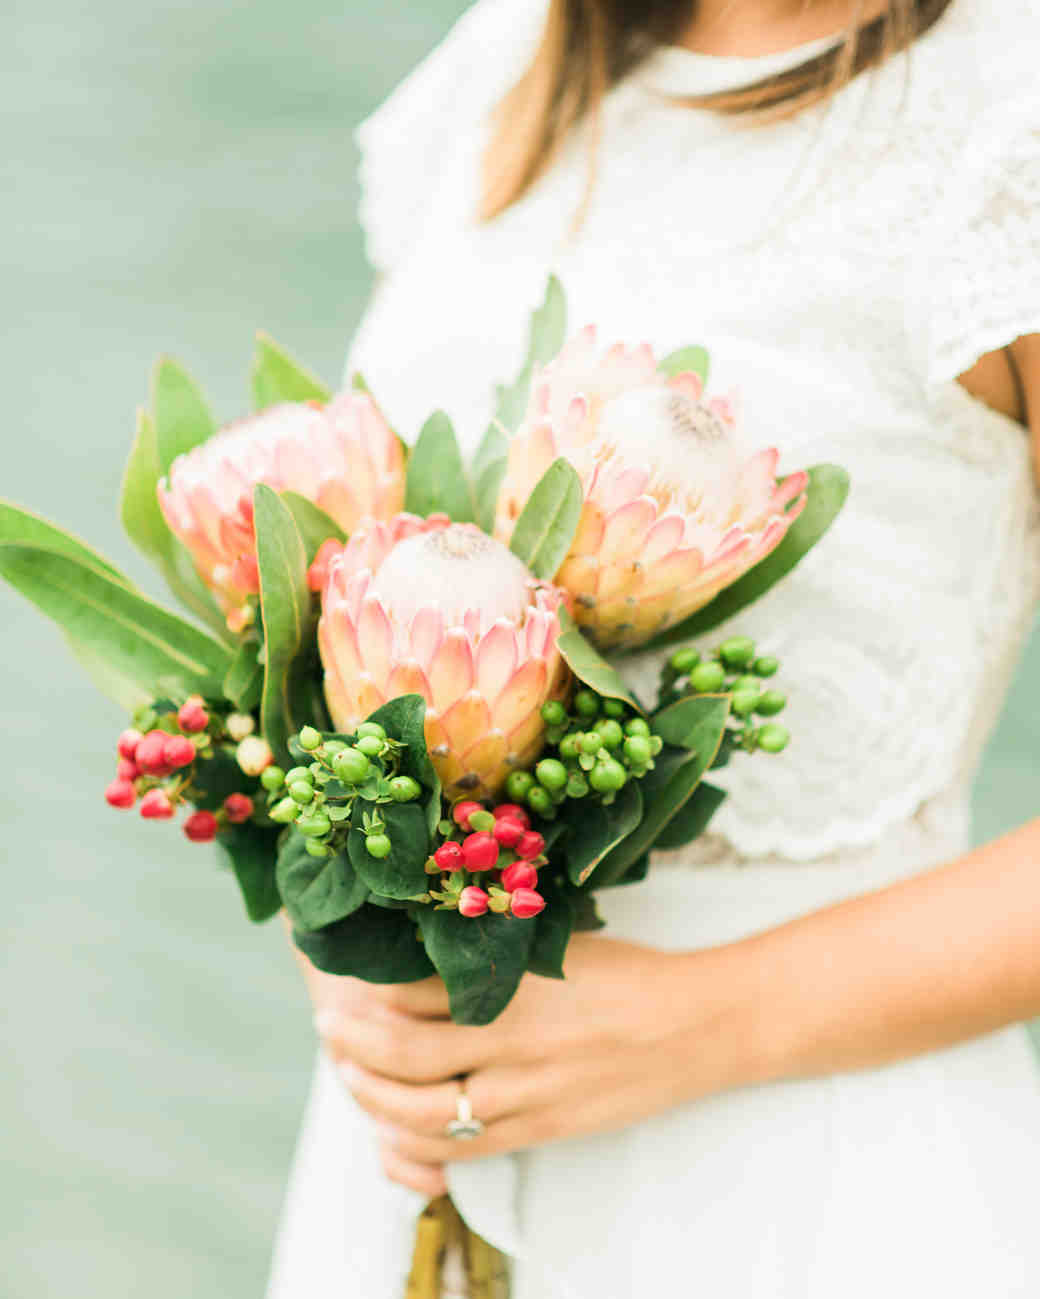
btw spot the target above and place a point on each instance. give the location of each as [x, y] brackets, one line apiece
[462, 812]
[156, 806]
[449, 856]
[192, 717]
[239, 808]
[514, 812]
[473, 902]
[531, 845]
[521, 875]
[128, 742]
[479, 851]
[508, 832]
[526, 903]
[126, 770]
[201, 827]
[151, 754]
[120, 794]
[178, 751]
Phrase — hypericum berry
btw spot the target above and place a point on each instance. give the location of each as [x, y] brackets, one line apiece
[150, 755]
[378, 846]
[254, 754]
[637, 726]
[370, 745]
[178, 751]
[770, 703]
[744, 702]
[684, 660]
[192, 716]
[521, 875]
[551, 774]
[526, 903]
[126, 770]
[156, 805]
[607, 777]
[519, 784]
[591, 743]
[586, 703]
[737, 652]
[577, 785]
[473, 902]
[508, 832]
[554, 713]
[302, 792]
[530, 846]
[127, 743]
[239, 725]
[462, 812]
[449, 856]
[201, 827]
[239, 808]
[540, 800]
[120, 793]
[766, 666]
[637, 750]
[479, 851]
[284, 812]
[272, 778]
[610, 733]
[570, 745]
[514, 812]
[707, 677]
[773, 738]
[299, 773]
[310, 739]
[317, 848]
[403, 789]
[372, 729]
[314, 827]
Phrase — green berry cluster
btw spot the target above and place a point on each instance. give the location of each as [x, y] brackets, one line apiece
[593, 750]
[318, 797]
[735, 669]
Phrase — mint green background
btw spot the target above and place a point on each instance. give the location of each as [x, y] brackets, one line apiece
[178, 175]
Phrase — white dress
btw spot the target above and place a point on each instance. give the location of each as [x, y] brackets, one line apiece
[842, 268]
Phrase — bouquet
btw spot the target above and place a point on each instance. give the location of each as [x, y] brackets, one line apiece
[397, 707]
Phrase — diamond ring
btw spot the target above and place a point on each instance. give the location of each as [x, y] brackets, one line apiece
[464, 1127]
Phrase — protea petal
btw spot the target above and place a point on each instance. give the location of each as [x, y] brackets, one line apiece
[451, 670]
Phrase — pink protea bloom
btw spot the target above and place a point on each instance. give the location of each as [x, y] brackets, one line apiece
[439, 609]
[675, 510]
[344, 457]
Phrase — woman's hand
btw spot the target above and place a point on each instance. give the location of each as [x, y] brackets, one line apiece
[630, 1032]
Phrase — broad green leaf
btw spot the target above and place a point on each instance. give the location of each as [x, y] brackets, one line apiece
[141, 641]
[552, 928]
[285, 609]
[686, 360]
[358, 384]
[436, 482]
[243, 683]
[21, 527]
[547, 523]
[278, 377]
[691, 821]
[595, 830]
[828, 490]
[487, 472]
[640, 868]
[182, 418]
[124, 691]
[402, 874]
[148, 530]
[251, 850]
[314, 525]
[588, 665]
[481, 959]
[374, 944]
[403, 719]
[586, 917]
[317, 891]
[694, 722]
[548, 334]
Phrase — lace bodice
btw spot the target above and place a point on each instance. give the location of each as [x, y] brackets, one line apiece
[842, 267]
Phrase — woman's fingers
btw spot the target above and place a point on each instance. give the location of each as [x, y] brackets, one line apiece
[428, 1109]
[426, 999]
[408, 1050]
[427, 1179]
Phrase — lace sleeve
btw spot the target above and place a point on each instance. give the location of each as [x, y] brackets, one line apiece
[408, 142]
[977, 286]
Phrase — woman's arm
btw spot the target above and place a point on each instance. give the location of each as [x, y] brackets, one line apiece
[1009, 381]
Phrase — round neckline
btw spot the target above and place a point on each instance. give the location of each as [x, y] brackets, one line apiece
[676, 70]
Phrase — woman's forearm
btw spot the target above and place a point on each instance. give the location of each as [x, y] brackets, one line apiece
[926, 963]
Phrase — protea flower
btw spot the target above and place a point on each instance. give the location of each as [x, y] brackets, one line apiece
[440, 609]
[343, 457]
[674, 509]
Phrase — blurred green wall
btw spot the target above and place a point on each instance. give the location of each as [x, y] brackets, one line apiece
[178, 174]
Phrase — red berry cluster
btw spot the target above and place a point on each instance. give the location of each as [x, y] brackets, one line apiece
[157, 766]
[499, 840]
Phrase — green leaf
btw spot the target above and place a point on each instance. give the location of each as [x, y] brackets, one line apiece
[828, 490]
[686, 360]
[285, 608]
[402, 874]
[182, 418]
[694, 722]
[314, 525]
[358, 384]
[548, 334]
[125, 692]
[691, 821]
[244, 680]
[278, 377]
[140, 641]
[251, 851]
[437, 482]
[317, 891]
[374, 944]
[586, 916]
[588, 665]
[481, 959]
[547, 523]
[487, 472]
[21, 527]
[403, 719]
[217, 776]
[552, 929]
[595, 830]
[148, 530]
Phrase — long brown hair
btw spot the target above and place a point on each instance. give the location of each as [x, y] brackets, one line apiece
[588, 46]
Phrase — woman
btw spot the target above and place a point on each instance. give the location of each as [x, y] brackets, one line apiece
[785, 1070]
